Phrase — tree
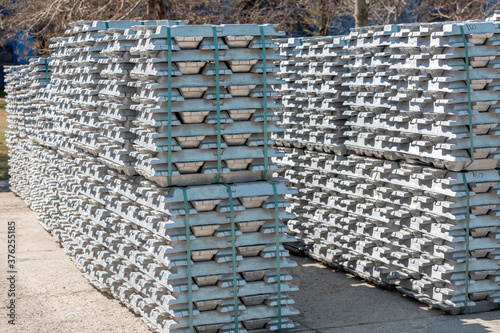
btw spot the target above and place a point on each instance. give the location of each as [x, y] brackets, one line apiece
[361, 13]
[457, 10]
[41, 19]
[377, 12]
[394, 12]
[324, 17]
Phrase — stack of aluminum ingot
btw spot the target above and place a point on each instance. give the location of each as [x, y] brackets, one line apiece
[413, 203]
[19, 115]
[218, 126]
[24, 101]
[419, 111]
[17, 98]
[44, 123]
[313, 111]
[405, 225]
[312, 94]
[117, 116]
[24, 88]
[205, 258]
[288, 74]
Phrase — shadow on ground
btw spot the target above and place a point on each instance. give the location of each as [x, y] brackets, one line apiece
[334, 301]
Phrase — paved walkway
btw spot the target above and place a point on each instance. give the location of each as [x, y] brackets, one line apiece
[52, 296]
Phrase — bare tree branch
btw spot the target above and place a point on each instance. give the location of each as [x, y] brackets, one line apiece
[134, 7]
[41, 19]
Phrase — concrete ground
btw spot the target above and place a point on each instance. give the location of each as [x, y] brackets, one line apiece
[52, 296]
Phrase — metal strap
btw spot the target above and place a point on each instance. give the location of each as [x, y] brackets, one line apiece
[264, 83]
[46, 71]
[469, 98]
[467, 255]
[188, 259]
[233, 247]
[278, 265]
[169, 105]
[217, 90]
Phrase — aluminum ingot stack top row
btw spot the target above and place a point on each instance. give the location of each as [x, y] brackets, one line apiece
[312, 99]
[78, 68]
[205, 103]
[312, 94]
[117, 117]
[72, 93]
[19, 113]
[24, 103]
[24, 100]
[205, 258]
[426, 93]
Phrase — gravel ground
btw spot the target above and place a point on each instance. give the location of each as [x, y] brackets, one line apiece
[52, 296]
